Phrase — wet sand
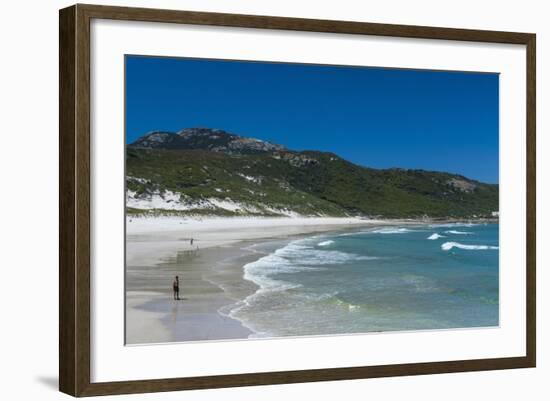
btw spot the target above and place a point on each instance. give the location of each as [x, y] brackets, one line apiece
[209, 280]
[210, 272]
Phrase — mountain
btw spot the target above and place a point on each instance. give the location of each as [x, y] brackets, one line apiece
[213, 172]
[206, 139]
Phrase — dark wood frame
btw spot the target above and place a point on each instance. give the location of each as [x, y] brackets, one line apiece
[74, 202]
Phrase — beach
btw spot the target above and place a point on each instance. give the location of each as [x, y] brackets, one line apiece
[251, 277]
[210, 271]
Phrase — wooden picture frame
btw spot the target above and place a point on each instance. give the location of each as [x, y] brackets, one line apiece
[74, 204]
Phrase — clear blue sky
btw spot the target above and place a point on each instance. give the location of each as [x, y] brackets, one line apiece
[376, 117]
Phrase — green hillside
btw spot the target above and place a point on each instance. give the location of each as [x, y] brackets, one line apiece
[244, 177]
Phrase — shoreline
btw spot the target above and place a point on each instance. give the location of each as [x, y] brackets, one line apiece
[211, 271]
[212, 276]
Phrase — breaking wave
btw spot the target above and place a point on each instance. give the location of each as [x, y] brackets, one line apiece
[447, 246]
[456, 232]
[451, 225]
[391, 231]
[294, 257]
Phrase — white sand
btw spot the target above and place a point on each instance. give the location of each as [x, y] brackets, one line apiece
[158, 235]
[144, 326]
[137, 225]
[153, 242]
[150, 239]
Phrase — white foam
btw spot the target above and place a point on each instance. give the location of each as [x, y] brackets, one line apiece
[292, 258]
[325, 243]
[450, 225]
[385, 230]
[459, 232]
[436, 236]
[447, 246]
[391, 231]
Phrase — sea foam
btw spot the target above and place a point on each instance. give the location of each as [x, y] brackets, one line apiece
[292, 258]
[391, 231]
[309, 288]
[456, 232]
[451, 225]
[325, 243]
[447, 246]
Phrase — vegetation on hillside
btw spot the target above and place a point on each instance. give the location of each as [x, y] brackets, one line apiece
[307, 183]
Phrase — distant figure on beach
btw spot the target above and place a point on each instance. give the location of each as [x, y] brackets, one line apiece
[191, 241]
[176, 288]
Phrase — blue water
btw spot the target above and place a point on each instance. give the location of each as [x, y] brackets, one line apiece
[396, 278]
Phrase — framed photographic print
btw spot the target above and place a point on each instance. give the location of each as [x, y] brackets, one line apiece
[250, 200]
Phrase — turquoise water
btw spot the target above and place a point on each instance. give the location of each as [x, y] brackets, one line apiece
[395, 278]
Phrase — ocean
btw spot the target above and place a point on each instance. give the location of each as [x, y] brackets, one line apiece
[421, 277]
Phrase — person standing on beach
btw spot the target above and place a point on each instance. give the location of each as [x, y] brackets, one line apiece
[191, 241]
[176, 288]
